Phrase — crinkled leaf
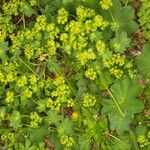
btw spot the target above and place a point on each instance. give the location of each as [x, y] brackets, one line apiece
[119, 123]
[84, 144]
[81, 84]
[125, 93]
[143, 61]
[27, 10]
[53, 65]
[122, 144]
[3, 49]
[66, 127]
[38, 134]
[53, 117]
[15, 120]
[122, 17]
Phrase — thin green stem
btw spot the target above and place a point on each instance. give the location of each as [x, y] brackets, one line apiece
[127, 3]
[116, 138]
[28, 66]
[133, 138]
[112, 16]
[34, 101]
[115, 101]
[23, 19]
[19, 20]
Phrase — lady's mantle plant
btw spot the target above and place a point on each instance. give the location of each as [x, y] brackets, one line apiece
[66, 78]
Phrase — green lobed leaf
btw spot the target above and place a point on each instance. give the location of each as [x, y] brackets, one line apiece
[143, 61]
[124, 93]
[121, 17]
[15, 120]
[38, 134]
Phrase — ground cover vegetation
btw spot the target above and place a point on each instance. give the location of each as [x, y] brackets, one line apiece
[74, 74]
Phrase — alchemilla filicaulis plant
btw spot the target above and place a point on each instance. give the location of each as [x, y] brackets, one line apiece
[73, 76]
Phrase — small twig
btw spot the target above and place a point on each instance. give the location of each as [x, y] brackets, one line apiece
[23, 19]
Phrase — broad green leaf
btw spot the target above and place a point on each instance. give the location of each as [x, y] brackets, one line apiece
[15, 119]
[38, 134]
[126, 20]
[84, 144]
[123, 104]
[122, 143]
[127, 1]
[140, 130]
[105, 80]
[28, 143]
[27, 10]
[53, 65]
[53, 117]
[67, 1]
[143, 61]
[3, 49]
[121, 17]
[82, 87]
[65, 127]
[119, 123]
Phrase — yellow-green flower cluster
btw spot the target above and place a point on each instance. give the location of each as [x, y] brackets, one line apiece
[22, 81]
[8, 136]
[67, 140]
[33, 2]
[53, 30]
[105, 4]
[98, 22]
[89, 100]
[52, 47]
[143, 141]
[64, 37]
[9, 97]
[59, 94]
[59, 80]
[91, 74]
[62, 17]
[32, 79]
[2, 77]
[86, 56]
[10, 77]
[78, 44]
[132, 73]
[11, 7]
[6, 27]
[74, 27]
[16, 41]
[40, 23]
[29, 51]
[54, 105]
[35, 119]
[83, 12]
[114, 65]
[70, 102]
[101, 47]
[27, 93]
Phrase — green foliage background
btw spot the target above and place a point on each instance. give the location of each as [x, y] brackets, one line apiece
[74, 75]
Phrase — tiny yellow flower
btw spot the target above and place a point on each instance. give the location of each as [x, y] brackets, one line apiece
[74, 115]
